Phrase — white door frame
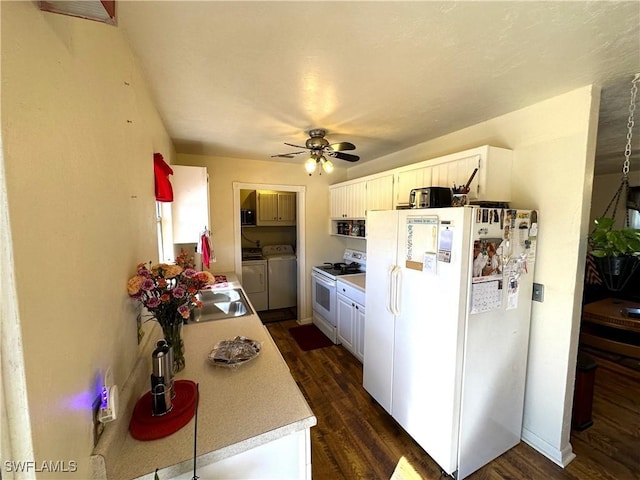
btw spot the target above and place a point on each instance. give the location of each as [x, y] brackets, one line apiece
[300, 191]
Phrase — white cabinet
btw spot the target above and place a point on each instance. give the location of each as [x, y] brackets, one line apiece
[190, 207]
[492, 181]
[287, 457]
[409, 179]
[276, 208]
[352, 200]
[379, 193]
[350, 316]
[346, 322]
[348, 200]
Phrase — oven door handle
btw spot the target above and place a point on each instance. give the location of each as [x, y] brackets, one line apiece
[324, 281]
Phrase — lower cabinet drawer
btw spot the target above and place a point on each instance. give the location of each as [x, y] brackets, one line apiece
[351, 292]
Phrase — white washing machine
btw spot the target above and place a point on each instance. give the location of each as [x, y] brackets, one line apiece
[255, 283]
[282, 276]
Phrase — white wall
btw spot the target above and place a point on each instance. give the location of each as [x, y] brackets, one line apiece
[79, 131]
[553, 143]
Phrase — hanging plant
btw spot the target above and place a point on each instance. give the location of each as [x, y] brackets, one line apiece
[606, 241]
[616, 252]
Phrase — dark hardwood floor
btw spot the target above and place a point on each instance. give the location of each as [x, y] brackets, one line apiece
[356, 439]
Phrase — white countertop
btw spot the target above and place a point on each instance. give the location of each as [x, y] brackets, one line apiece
[240, 408]
[358, 280]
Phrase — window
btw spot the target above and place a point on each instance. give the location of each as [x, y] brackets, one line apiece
[164, 232]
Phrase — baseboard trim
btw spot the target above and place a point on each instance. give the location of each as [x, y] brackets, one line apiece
[561, 457]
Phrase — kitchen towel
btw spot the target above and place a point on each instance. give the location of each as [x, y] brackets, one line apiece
[164, 191]
[204, 248]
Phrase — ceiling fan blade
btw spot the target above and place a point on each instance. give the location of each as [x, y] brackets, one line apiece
[287, 155]
[338, 147]
[296, 146]
[345, 156]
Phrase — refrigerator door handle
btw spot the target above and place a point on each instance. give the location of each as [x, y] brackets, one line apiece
[392, 303]
[390, 286]
[397, 290]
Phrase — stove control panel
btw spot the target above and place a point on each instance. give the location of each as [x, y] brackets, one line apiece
[355, 256]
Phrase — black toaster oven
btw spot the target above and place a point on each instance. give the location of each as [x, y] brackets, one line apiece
[430, 197]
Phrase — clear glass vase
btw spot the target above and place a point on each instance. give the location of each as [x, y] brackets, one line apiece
[173, 335]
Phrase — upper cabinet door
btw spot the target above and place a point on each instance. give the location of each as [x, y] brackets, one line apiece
[267, 206]
[190, 207]
[337, 201]
[408, 180]
[287, 207]
[380, 193]
[492, 181]
[276, 208]
[348, 201]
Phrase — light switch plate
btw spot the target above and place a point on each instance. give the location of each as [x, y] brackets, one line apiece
[538, 292]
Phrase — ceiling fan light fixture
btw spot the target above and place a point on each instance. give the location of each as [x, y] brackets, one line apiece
[310, 165]
[319, 147]
[327, 165]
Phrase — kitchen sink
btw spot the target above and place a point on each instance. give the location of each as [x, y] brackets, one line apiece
[220, 304]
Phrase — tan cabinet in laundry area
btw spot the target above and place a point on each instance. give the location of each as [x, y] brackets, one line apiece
[276, 208]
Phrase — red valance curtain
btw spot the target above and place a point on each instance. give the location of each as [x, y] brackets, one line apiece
[164, 191]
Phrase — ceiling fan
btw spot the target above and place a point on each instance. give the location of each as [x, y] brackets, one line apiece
[319, 148]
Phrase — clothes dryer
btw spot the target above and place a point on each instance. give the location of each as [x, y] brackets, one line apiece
[255, 283]
[282, 276]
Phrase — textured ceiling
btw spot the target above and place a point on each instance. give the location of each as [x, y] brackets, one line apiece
[238, 79]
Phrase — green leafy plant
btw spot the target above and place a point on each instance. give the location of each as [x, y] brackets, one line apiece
[606, 241]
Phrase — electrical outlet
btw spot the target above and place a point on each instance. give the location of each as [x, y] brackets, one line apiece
[538, 292]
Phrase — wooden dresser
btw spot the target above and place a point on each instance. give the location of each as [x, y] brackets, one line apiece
[607, 326]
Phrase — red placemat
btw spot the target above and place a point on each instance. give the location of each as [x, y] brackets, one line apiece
[144, 426]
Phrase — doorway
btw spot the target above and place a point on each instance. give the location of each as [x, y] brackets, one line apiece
[300, 191]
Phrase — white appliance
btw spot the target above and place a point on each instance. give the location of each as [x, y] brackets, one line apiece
[282, 276]
[324, 293]
[445, 351]
[255, 283]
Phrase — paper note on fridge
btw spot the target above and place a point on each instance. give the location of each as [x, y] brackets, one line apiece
[422, 236]
[446, 242]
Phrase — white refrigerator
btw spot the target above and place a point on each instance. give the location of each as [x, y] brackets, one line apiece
[447, 327]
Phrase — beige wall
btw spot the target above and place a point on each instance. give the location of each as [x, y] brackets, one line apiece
[79, 131]
[553, 144]
[320, 247]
